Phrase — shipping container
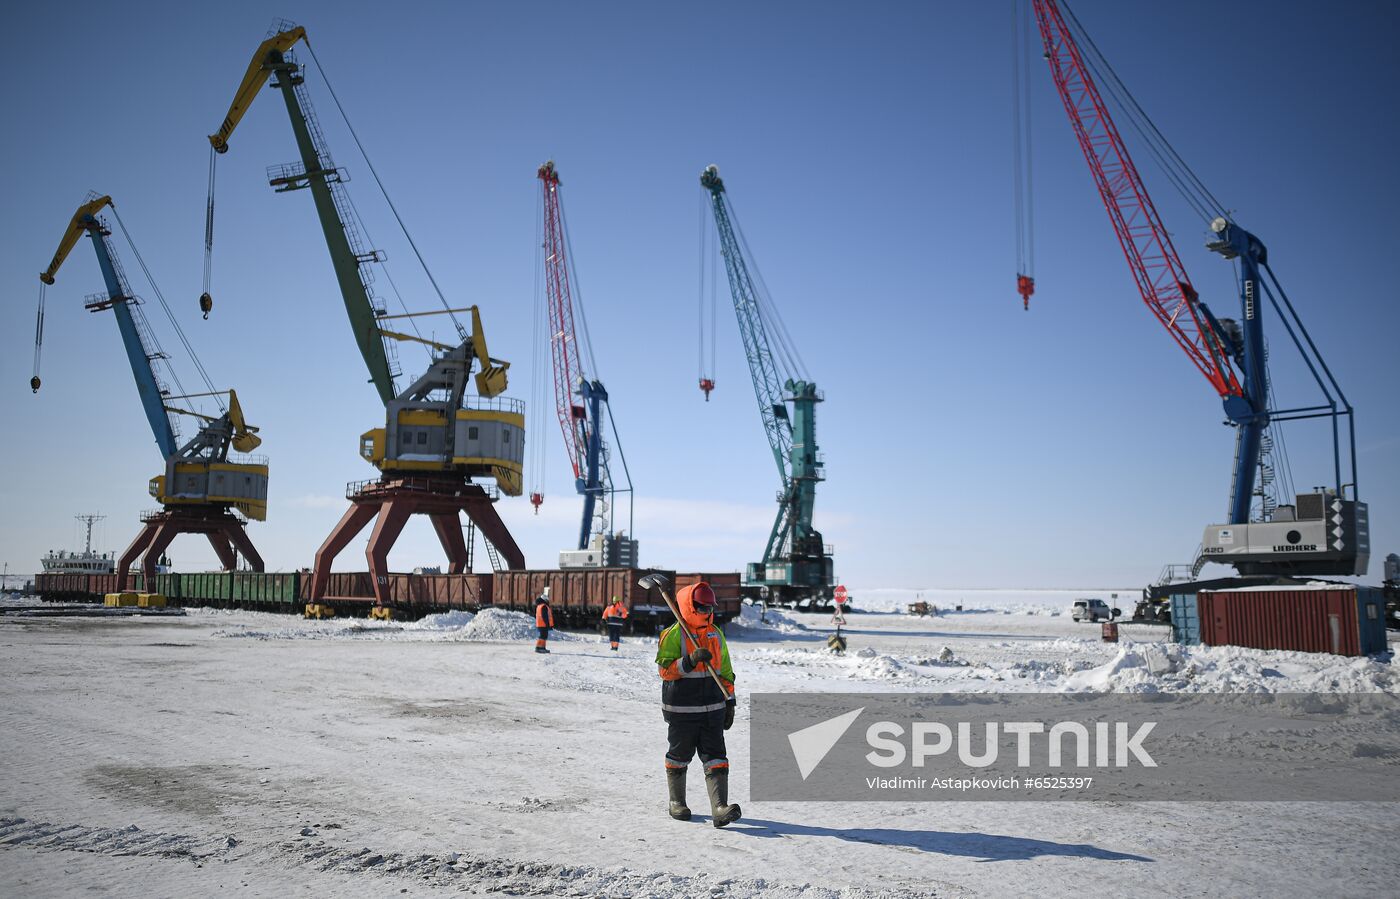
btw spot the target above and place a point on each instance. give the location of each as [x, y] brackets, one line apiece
[1336, 618]
[1186, 619]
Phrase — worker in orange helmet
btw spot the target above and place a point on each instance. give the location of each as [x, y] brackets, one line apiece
[615, 616]
[544, 620]
[697, 709]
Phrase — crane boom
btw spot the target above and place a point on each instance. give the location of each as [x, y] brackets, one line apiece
[767, 386]
[119, 297]
[318, 172]
[1156, 267]
[1161, 278]
[580, 421]
[796, 565]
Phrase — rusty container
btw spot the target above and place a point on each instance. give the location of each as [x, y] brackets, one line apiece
[1336, 618]
[1109, 630]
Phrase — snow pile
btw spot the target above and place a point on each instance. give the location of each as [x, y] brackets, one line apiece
[753, 621]
[500, 625]
[455, 620]
[1171, 668]
[1135, 669]
[490, 624]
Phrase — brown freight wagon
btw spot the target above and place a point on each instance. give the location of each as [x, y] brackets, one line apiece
[1336, 618]
[410, 595]
[579, 595]
[53, 587]
[442, 592]
[341, 585]
[429, 593]
[726, 586]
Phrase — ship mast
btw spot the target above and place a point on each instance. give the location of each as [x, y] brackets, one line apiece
[89, 520]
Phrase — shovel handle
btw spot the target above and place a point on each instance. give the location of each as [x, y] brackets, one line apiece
[685, 630]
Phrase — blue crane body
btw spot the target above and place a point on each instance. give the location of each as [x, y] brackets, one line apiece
[1250, 409]
[118, 297]
[593, 484]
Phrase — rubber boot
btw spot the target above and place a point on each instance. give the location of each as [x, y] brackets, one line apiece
[675, 786]
[717, 783]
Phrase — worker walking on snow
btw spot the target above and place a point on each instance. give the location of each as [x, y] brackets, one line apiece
[544, 620]
[697, 709]
[615, 616]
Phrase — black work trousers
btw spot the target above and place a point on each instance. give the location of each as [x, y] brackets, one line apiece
[703, 732]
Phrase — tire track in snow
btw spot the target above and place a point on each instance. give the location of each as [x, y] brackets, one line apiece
[447, 870]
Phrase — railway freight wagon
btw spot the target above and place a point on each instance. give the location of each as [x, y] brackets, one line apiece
[579, 595]
[83, 587]
[724, 583]
[410, 595]
[67, 587]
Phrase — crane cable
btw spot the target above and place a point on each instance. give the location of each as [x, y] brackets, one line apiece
[206, 299]
[537, 363]
[1187, 183]
[576, 296]
[789, 357]
[709, 266]
[1022, 154]
[461, 332]
[174, 323]
[38, 337]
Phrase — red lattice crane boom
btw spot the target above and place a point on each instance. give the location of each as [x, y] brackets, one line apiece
[1160, 276]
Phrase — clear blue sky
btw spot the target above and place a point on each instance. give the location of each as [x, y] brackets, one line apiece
[867, 150]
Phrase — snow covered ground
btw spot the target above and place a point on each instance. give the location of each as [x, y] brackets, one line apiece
[273, 756]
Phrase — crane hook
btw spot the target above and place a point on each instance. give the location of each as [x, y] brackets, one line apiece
[206, 304]
[1025, 286]
[34, 383]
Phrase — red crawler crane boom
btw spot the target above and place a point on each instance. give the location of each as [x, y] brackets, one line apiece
[563, 344]
[1160, 276]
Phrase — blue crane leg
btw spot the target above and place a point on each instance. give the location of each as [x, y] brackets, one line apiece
[146, 386]
[1250, 412]
[591, 484]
